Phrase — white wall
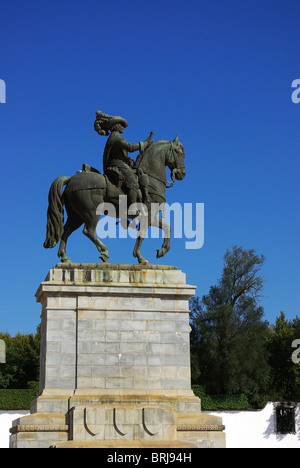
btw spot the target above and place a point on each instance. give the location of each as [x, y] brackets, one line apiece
[256, 429]
[244, 429]
[6, 419]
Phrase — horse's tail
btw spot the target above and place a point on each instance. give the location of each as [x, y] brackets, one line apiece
[55, 213]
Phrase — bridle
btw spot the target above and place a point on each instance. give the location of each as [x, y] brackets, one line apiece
[173, 154]
[170, 159]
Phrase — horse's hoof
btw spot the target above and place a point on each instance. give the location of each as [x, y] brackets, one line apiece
[160, 253]
[142, 261]
[104, 257]
[65, 260]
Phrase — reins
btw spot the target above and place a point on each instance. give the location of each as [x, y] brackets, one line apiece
[171, 153]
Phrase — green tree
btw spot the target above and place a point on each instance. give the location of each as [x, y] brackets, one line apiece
[22, 360]
[285, 374]
[228, 331]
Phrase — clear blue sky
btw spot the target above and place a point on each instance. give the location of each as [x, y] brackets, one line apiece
[217, 72]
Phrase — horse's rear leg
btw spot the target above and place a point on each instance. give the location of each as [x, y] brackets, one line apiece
[73, 223]
[89, 230]
[137, 250]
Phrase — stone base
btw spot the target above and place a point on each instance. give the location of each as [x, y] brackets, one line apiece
[115, 362]
[118, 427]
[126, 444]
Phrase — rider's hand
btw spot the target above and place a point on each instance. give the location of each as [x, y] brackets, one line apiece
[150, 137]
[148, 140]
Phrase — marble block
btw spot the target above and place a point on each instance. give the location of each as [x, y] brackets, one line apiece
[115, 353]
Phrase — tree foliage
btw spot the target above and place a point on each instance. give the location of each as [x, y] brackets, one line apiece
[285, 374]
[22, 360]
[229, 332]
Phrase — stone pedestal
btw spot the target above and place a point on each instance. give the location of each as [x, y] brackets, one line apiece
[115, 362]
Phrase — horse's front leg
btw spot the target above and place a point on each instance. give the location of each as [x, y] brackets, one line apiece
[144, 224]
[167, 232]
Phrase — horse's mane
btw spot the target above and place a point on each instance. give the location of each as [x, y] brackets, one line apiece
[155, 146]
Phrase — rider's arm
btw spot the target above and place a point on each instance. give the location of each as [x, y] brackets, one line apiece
[130, 147]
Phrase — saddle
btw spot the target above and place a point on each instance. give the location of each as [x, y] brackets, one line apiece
[86, 180]
[111, 180]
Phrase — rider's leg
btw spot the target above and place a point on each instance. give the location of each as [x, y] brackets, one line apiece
[132, 198]
[144, 184]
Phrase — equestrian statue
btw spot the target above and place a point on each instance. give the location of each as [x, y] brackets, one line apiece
[143, 182]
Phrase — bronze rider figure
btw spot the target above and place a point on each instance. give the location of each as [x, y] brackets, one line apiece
[116, 162]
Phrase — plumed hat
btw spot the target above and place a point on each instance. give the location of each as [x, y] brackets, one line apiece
[104, 122]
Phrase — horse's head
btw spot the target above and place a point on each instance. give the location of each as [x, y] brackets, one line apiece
[175, 161]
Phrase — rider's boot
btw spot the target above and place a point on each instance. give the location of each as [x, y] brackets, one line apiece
[144, 184]
[146, 198]
[132, 197]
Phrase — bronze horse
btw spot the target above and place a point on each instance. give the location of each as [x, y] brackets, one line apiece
[86, 191]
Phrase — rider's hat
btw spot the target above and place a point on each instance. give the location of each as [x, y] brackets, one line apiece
[104, 122]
